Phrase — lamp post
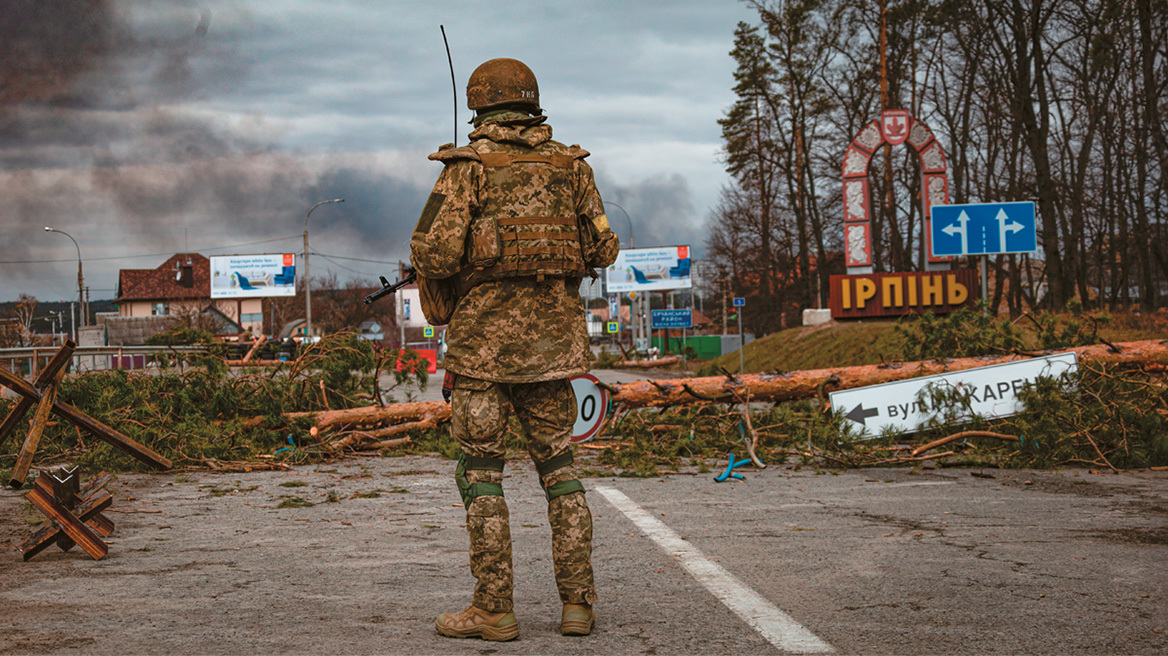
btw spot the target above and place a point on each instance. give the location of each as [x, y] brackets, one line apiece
[633, 318]
[80, 279]
[307, 280]
[609, 202]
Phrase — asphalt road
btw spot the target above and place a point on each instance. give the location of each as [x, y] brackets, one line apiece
[869, 561]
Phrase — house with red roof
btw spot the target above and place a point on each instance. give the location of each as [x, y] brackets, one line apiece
[182, 285]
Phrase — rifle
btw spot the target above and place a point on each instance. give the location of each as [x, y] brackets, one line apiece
[387, 289]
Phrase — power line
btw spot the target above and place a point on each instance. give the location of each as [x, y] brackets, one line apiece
[338, 264]
[168, 253]
[354, 259]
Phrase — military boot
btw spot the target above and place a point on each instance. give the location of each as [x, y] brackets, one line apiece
[475, 622]
[577, 620]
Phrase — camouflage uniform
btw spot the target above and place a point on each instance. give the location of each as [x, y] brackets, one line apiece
[515, 341]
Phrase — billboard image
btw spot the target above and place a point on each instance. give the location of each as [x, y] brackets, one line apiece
[249, 276]
[649, 269]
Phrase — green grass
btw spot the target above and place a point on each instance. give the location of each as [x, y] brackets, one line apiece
[853, 343]
[294, 502]
[816, 347]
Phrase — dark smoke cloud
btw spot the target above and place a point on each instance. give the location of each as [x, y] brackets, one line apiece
[97, 138]
[376, 219]
[661, 210]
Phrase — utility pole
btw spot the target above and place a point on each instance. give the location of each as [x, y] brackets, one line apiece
[307, 280]
[80, 276]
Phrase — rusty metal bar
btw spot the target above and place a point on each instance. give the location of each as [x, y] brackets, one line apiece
[35, 430]
[55, 364]
[97, 428]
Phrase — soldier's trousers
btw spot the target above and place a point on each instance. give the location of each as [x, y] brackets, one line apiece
[546, 411]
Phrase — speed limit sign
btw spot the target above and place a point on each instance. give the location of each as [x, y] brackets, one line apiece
[591, 407]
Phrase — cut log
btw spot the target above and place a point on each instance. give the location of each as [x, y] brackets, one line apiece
[251, 351]
[766, 388]
[373, 415]
[360, 439]
[646, 364]
[795, 385]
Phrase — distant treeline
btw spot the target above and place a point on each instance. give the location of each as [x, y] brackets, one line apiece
[1062, 102]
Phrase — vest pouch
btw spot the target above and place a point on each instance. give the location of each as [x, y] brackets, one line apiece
[485, 243]
[438, 297]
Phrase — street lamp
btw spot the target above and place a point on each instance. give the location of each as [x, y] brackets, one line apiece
[307, 280]
[636, 321]
[609, 202]
[80, 280]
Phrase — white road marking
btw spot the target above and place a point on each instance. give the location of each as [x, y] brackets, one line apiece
[916, 484]
[756, 610]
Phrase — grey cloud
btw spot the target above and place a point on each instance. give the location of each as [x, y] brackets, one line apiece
[661, 210]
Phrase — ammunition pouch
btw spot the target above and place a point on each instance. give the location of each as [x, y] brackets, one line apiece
[469, 491]
[438, 297]
[563, 487]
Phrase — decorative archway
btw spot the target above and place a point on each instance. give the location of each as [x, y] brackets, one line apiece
[894, 127]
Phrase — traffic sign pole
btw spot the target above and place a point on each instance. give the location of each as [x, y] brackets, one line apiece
[985, 285]
[739, 304]
[741, 344]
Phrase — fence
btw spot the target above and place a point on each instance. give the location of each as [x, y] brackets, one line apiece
[29, 360]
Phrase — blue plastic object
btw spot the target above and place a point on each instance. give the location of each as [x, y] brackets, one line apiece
[730, 473]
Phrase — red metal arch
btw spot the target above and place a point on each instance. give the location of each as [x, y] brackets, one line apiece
[894, 127]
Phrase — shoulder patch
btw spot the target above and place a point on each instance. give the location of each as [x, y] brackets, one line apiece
[449, 153]
[429, 213]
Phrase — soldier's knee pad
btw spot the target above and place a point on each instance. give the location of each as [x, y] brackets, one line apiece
[469, 491]
[563, 487]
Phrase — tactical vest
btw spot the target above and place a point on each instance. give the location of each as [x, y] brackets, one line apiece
[526, 224]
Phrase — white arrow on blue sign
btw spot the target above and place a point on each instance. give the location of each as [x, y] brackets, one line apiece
[739, 301]
[984, 229]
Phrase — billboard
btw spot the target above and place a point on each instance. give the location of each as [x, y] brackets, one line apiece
[249, 276]
[649, 269]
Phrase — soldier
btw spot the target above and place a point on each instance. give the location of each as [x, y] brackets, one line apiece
[513, 225]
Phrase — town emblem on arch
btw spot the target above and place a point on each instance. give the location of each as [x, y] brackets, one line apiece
[894, 126]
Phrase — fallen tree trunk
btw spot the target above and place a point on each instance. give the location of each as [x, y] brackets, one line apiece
[768, 388]
[793, 385]
[646, 364]
[373, 415]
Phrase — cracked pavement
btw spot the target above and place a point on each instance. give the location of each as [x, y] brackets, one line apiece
[364, 553]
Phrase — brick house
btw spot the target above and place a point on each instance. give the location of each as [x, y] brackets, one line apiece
[182, 285]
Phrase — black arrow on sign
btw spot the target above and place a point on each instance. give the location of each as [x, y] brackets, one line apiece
[860, 415]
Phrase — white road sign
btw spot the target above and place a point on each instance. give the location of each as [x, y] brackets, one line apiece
[991, 391]
[591, 407]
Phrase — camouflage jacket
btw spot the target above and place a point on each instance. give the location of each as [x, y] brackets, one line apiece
[516, 330]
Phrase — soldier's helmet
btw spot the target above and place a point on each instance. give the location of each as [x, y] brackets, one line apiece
[501, 82]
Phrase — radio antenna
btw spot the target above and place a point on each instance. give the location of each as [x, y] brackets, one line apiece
[453, 86]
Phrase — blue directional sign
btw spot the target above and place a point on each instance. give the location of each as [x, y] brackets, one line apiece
[672, 319]
[739, 301]
[984, 229]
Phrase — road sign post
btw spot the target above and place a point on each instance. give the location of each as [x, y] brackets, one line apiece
[740, 302]
[591, 407]
[989, 392]
[984, 229]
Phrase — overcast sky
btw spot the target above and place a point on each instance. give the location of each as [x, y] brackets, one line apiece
[143, 128]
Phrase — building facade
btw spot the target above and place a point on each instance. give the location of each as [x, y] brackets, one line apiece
[181, 286]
